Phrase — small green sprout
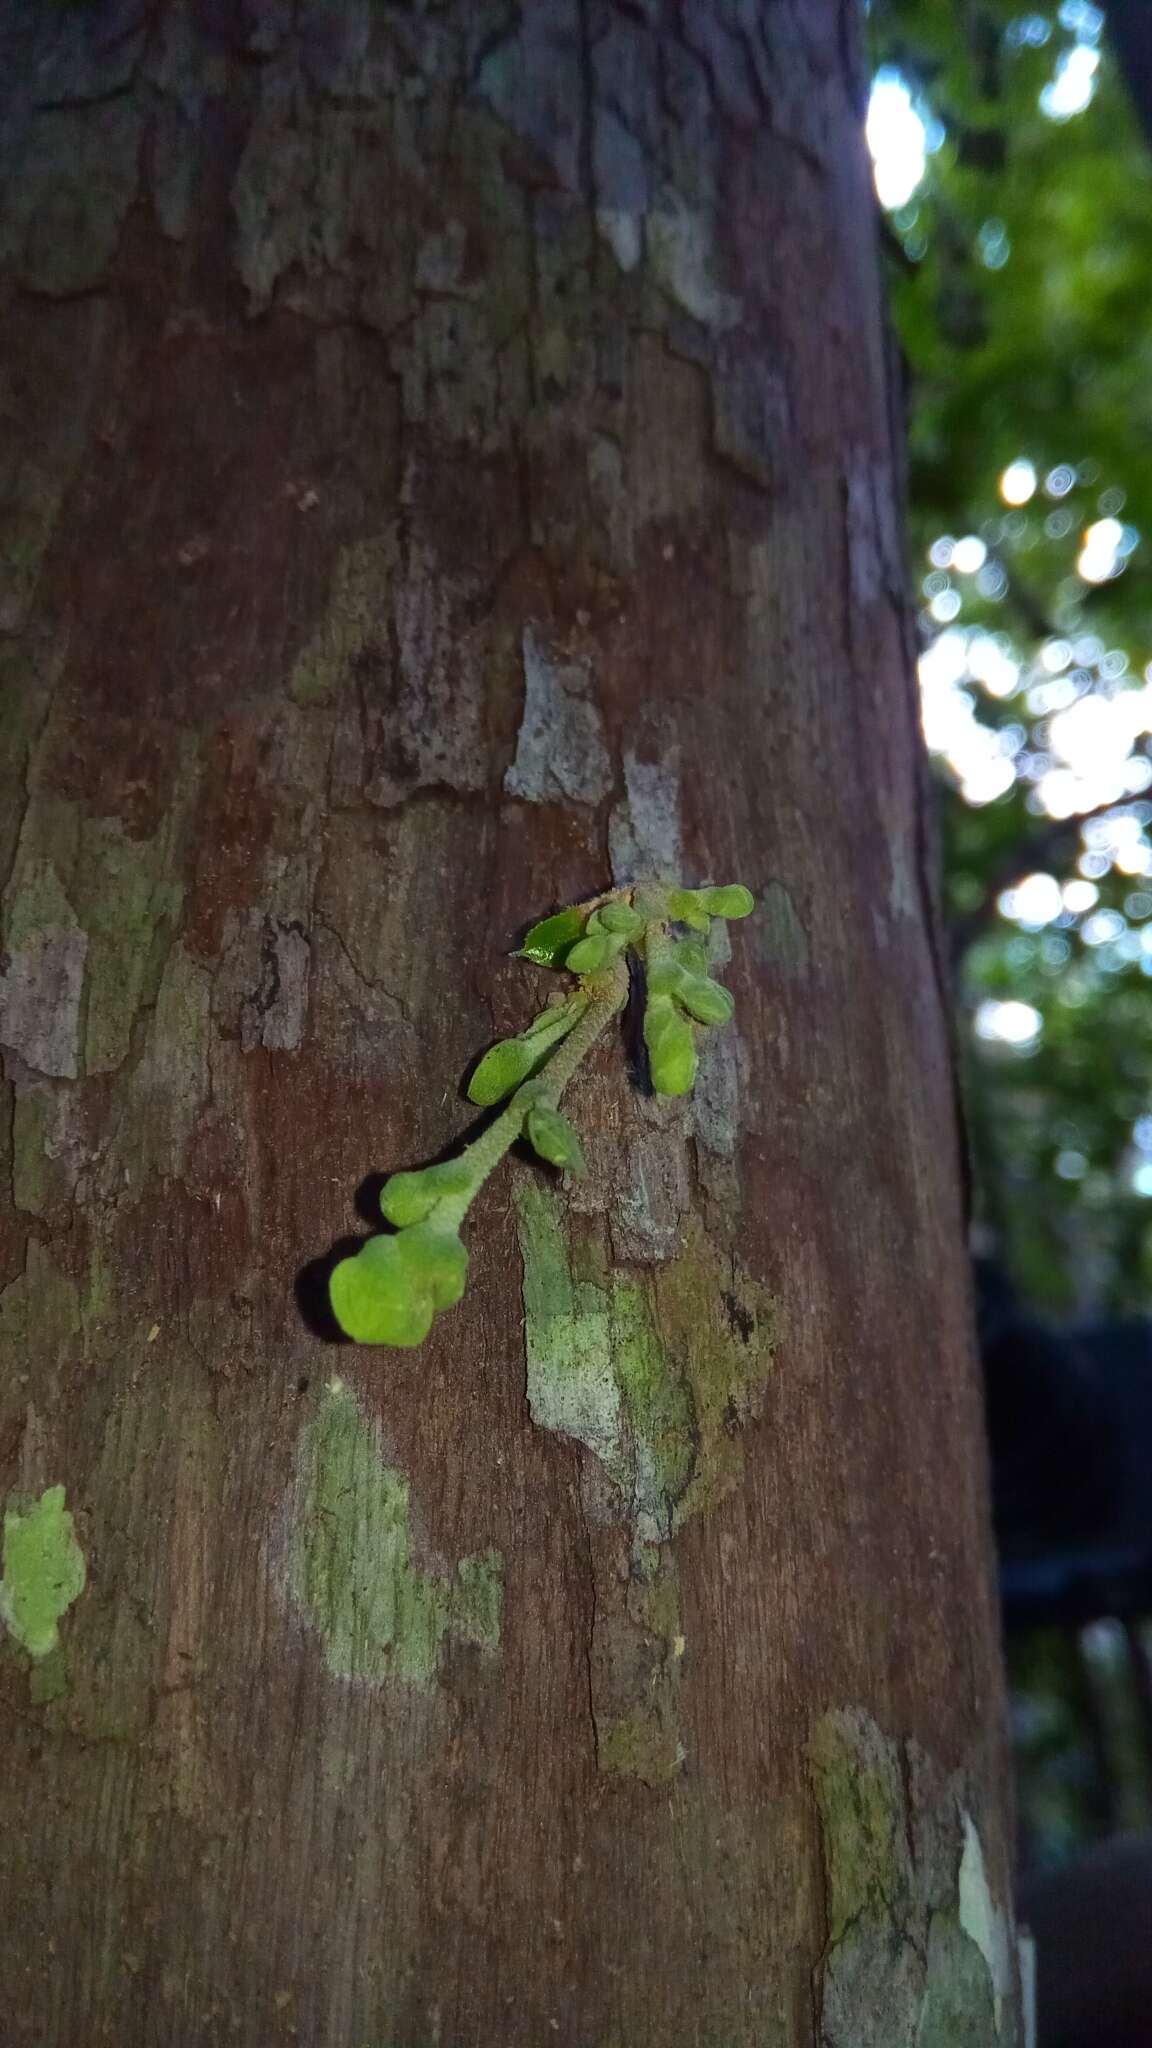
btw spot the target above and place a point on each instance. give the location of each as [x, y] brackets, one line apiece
[389, 1291]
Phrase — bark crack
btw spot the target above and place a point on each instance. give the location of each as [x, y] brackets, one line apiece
[377, 988]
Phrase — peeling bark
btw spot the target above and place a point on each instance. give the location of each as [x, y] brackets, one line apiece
[445, 466]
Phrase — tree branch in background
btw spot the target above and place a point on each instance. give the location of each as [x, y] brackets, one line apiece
[1130, 30]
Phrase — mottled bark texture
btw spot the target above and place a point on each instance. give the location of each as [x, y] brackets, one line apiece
[447, 463]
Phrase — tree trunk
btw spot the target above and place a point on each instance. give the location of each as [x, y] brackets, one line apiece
[448, 468]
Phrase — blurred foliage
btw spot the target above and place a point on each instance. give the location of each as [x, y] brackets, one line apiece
[1061, 1782]
[1022, 273]
[1082, 1768]
[1021, 280]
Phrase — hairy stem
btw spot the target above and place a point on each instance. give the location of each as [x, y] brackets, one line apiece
[488, 1150]
[607, 1002]
[658, 945]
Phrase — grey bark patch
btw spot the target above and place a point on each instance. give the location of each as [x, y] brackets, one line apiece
[719, 1087]
[42, 989]
[779, 937]
[440, 263]
[92, 56]
[128, 899]
[626, 125]
[472, 410]
[430, 730]
[721, 1083]
[560, 748]
[40, 1001]
[873, 1987]
[532, 81]
[875, 560]
[653, 1197]
[644, 837]
[752, 425]
[311, 210]
[680, 241]
[77, 181]
[276, 1014]
[624, 234]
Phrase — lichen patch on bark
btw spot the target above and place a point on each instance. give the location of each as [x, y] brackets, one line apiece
[655, 1376]
[916, 1954]
[44, 1570]
[379, 1613]
[655, 1380]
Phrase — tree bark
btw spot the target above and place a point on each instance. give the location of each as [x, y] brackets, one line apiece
[448, 468]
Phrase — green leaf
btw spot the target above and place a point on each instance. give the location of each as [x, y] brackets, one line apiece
[732, 901]
[501, 1071]
[691, 955]
[373, 1299]
[407, 1198]
[388, 1292]
[665, 974]
[553, 1137]
[546, 1031]
[547, 943]
[621, 919]
[567, 1010]
[437, 1260]
[708, 1002]
[685, 906]
[671, 1044]
[507, 1064]
[590, 954]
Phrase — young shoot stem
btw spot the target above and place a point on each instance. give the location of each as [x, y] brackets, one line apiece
[389, 1290]
[658, 946]
[608, 998]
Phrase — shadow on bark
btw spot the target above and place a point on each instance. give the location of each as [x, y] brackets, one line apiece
[311, 1287]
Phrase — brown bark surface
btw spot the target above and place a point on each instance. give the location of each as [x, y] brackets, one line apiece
[446, 466]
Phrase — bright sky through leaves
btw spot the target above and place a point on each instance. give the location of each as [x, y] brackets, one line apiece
[901, 138]
[1017, 187]
[897, 138]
